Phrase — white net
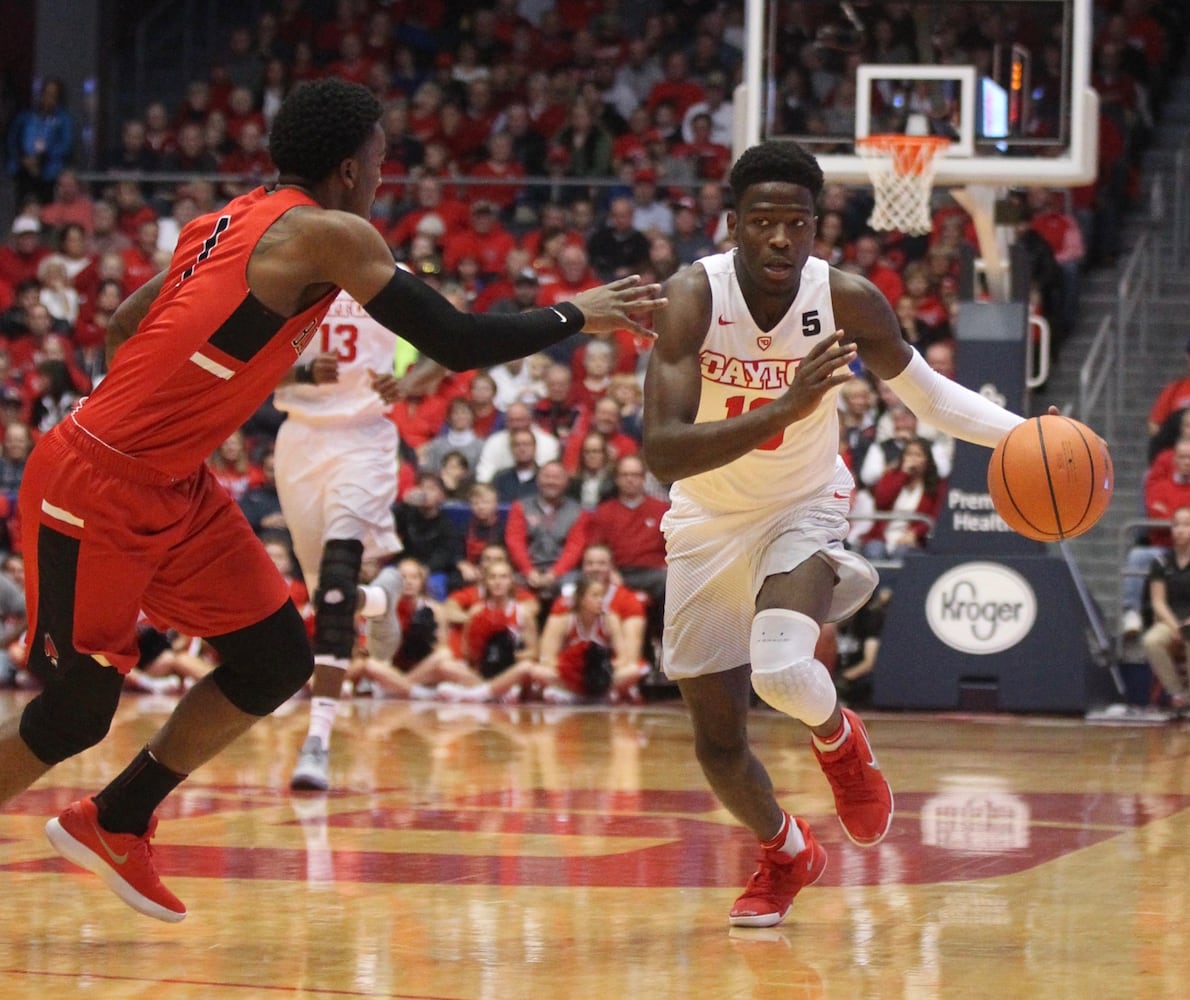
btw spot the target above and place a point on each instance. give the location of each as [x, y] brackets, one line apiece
[901, 168]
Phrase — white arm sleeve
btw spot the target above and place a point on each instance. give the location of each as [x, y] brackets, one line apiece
[950, 406]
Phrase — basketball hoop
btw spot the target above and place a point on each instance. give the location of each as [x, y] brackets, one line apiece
[902, 169]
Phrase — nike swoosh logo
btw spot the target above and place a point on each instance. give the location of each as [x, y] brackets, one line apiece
[725, 322]
[558, 314]
[840, 496]
[118, 859]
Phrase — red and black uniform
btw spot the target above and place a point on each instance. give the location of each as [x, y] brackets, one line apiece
[574, 655]
[121, 510]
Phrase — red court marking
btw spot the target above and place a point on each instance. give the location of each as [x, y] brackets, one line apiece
[693, 852]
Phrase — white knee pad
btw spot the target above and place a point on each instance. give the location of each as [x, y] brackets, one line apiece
[784, 671]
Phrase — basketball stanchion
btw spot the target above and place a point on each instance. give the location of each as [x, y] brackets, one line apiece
[902, 169]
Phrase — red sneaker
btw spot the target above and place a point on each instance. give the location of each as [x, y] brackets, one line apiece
[780, 877]
[123, 860]
[863, 799]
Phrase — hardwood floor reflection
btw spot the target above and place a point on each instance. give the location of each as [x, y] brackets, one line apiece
[476, 852]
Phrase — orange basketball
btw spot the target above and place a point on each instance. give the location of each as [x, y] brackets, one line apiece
[1051, 478]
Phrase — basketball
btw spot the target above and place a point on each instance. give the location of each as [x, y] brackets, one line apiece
[1051, 478]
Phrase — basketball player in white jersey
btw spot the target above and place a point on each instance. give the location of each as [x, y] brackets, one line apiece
[336, 466]
[740, 414]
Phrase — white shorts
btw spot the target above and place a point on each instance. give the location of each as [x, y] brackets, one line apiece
[718, 563]
[337, 482]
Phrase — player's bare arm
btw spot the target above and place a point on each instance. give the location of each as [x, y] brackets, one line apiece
[675, 447]
[129, 313]
[866, 319]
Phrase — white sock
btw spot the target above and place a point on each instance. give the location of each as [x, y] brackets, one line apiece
[794, 843]
[322, 718]
[838, 741]
[375, 601]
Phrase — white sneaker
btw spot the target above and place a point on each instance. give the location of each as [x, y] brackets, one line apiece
[555, 695]
[313, 766]
[1131, 624]
[458, 693]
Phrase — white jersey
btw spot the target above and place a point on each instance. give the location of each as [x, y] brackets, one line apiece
[744, 367]
[360, 344]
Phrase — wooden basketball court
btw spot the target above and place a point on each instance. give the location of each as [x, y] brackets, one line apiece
[475, 852]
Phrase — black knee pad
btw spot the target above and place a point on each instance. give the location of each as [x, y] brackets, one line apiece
[264, 665]
[74, 711]
[336, 598]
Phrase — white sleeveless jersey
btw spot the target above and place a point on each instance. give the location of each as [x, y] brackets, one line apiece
[744, 367]
[360, 344]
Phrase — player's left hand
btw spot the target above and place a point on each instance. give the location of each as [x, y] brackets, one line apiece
[607, 307]
[385, 385]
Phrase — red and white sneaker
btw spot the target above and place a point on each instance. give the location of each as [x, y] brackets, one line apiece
[123, 860]
[863, 799]
[770, 891]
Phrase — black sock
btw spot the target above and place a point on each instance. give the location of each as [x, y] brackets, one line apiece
[127, 804]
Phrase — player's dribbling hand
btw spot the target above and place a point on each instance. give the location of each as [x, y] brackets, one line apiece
[821, 370]
[607, 307]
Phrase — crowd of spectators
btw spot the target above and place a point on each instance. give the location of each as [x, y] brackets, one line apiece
[536, 149]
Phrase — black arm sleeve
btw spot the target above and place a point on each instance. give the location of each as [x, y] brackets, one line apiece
[461, 341]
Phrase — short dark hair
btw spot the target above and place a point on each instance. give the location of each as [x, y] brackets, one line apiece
[776, 160]
[319, 125]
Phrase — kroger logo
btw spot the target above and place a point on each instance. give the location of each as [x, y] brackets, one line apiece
[981, 607]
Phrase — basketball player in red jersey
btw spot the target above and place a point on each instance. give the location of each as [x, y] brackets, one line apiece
[741, 416]
[121, 514]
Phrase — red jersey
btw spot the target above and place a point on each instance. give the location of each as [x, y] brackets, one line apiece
[573, 654]
[209, 352]
[492, 619]
[622, 603]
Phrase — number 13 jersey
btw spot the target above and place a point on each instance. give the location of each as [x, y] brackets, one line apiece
[361, 344]
[745, 367]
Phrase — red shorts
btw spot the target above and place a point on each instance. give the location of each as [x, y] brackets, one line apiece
[107, 536]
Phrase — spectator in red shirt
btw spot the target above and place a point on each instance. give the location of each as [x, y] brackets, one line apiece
[131, 208]
[709, 159]
[141, 260]
[419, 418]
[484, 239]
[629, 524]
[71, 204]
[675, 87]
[867, 260]
[1173, 397]
[499, 165]
[20, 259]
[604, 418]
[249, 158]
[431, 207]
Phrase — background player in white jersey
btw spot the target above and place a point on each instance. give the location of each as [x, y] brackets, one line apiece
[740, 414]
[336, 467]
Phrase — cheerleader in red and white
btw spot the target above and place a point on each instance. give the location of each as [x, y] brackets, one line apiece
[582, 650]
[499, 641]
[423, 659]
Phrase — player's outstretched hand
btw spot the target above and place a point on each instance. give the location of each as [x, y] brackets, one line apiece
[608, 306]
[820, 370]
